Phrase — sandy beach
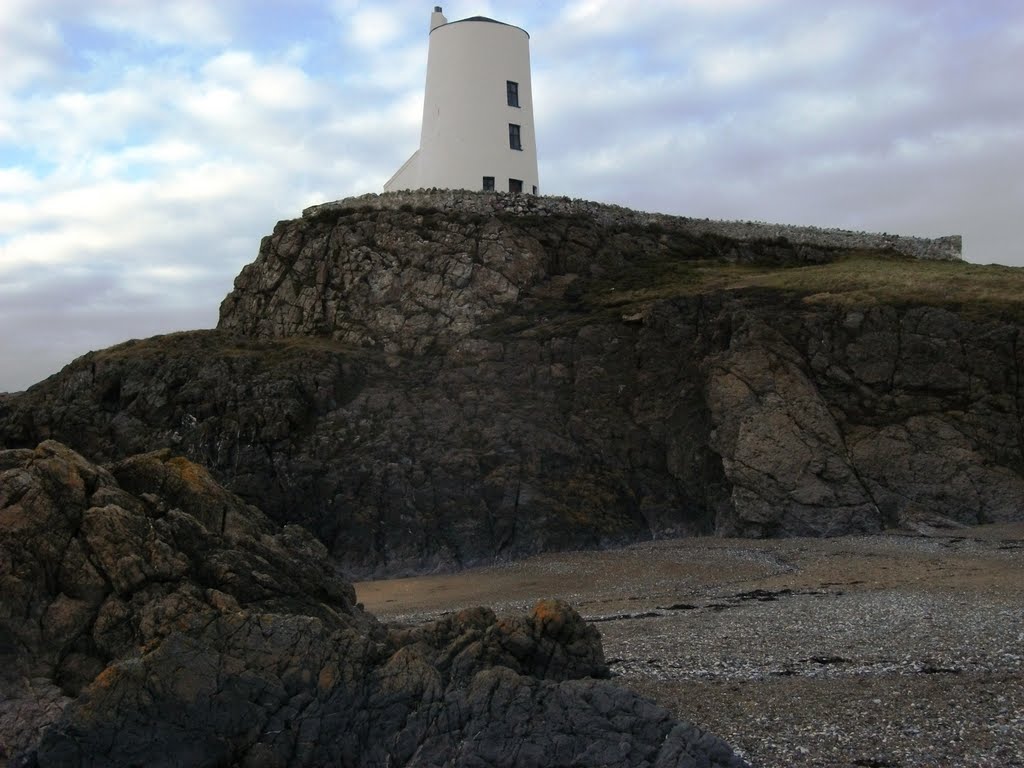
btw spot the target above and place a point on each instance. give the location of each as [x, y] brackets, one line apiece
[883, 651]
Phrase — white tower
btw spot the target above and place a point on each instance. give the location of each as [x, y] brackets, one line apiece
[477, 110]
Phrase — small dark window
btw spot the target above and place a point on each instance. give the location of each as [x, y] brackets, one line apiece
[513, 136]
[512, 91]
[488, 183]
[535, 189]
[515, 185]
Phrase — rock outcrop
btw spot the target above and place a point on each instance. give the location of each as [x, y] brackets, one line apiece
[149, 617]
[427, 382]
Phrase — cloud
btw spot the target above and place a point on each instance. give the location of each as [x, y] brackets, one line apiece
[116, 259]
[817, 45]
[603, 17]
[167, 22]
[29, 46]
[145, 148]
[275, 87]
[39, 340]
[836, 87]
[160, 193]
[374, 27]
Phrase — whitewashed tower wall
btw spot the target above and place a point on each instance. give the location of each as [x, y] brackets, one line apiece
[466, 134]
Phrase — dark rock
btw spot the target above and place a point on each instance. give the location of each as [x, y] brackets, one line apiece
[780, 444]
[172, 624]
[428, 389]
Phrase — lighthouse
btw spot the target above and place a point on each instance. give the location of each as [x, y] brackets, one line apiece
[477, 130]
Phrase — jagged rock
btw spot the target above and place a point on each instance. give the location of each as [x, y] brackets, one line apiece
[426, 388]
[926, 523]
[551, 642]
[401, 282]
[781, 447]
[172, 624]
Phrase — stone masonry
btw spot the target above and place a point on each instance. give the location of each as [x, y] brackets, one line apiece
[948, 248]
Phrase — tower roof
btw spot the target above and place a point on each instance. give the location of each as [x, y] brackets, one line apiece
[484, 18]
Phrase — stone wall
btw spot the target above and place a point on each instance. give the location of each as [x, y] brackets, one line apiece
[947, 248]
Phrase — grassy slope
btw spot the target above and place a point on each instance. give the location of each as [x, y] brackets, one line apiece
[979, 292]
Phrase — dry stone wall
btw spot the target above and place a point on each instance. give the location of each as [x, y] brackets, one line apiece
[949, 248]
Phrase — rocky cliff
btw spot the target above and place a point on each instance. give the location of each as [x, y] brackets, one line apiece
[149, 617]
[436, 379]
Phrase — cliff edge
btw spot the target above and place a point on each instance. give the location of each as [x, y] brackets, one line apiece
[435, 379]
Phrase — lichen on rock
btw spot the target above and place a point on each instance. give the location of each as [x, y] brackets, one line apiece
[137, 629]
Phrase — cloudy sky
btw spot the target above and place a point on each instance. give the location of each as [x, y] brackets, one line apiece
[147, 145]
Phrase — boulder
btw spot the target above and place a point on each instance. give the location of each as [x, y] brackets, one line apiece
[149, 617]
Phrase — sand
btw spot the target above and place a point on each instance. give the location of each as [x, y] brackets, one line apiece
[889, 650]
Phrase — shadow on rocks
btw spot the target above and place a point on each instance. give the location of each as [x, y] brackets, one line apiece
[148, 617]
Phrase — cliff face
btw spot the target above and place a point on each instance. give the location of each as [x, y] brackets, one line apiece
[433, 380]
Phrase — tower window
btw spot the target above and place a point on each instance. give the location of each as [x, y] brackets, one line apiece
[488, 183]
[535, 189]
[512, 91]
[513, 136]
[515, 185]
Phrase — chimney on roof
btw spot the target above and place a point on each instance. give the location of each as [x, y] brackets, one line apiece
[437, 18]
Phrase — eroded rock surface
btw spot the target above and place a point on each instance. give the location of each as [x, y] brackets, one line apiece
[426, 388]
[148, 617]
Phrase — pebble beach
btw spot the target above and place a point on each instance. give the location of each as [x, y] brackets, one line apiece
[896, 650]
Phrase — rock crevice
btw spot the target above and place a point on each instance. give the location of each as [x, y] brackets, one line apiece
[442, 379]
[131, 633]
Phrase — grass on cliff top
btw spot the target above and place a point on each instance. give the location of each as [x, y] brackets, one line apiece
[858, 280]
[209, 341]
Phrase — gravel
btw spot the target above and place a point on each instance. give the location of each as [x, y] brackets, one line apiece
[891, 650]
